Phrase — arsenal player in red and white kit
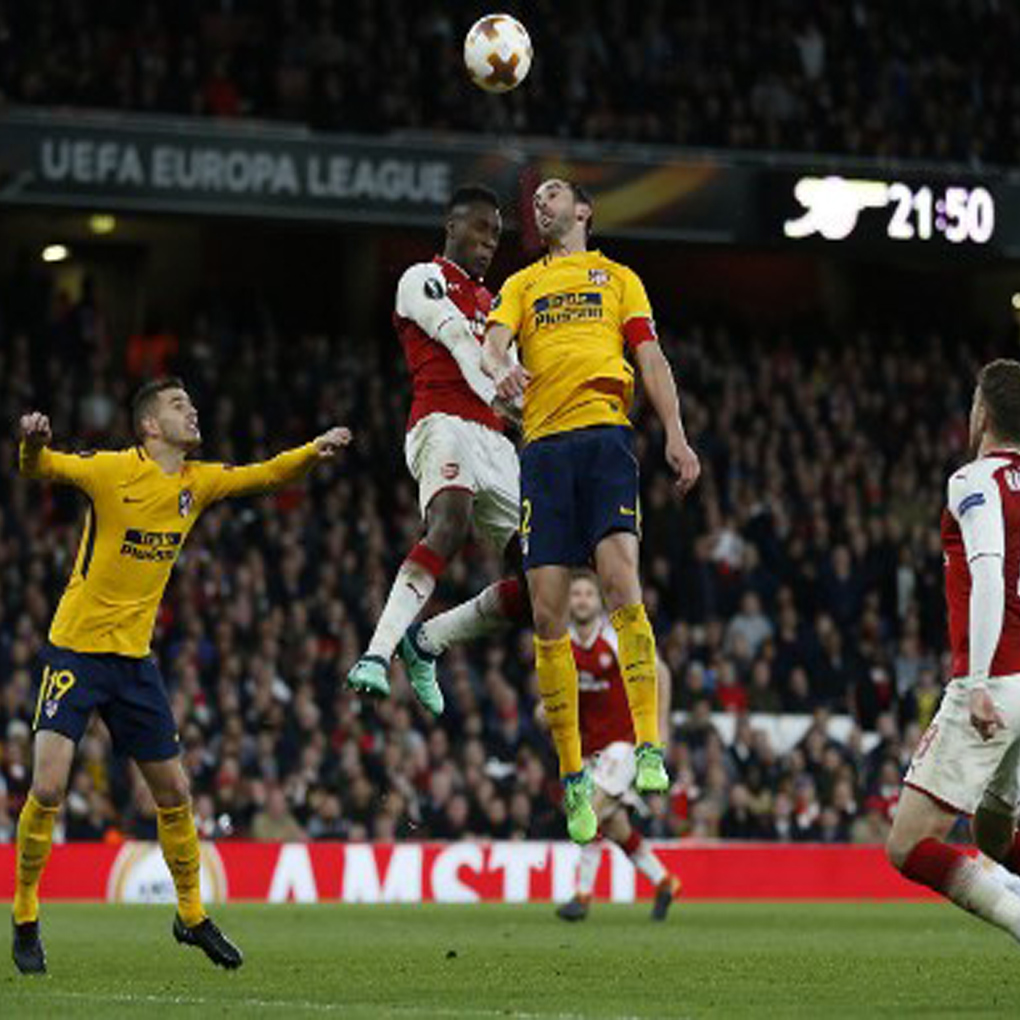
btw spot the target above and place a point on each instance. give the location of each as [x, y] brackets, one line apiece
[607, 742]
[966, 762]
[466, 468]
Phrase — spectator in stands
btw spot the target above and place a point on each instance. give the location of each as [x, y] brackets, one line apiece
[275, 822]
[836, 80]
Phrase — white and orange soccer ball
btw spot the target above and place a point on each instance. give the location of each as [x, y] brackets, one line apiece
[497, 53]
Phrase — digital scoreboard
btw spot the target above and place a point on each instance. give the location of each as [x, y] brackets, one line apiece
[908, 212]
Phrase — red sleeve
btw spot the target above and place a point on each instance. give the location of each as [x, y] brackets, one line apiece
[638, 331]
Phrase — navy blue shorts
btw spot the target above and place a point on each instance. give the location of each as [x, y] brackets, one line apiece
[128, 694]
[576, 488]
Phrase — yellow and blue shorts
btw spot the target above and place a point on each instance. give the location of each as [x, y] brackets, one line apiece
[577, 487]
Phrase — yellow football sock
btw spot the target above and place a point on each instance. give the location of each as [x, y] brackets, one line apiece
[637, 663]
[35, 837]
[557, 684]
[179, 843]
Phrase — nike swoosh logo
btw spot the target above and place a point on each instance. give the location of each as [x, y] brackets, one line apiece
[627, 512]
[132, 499]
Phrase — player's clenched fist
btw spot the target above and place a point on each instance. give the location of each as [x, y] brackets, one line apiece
[683, 462]
[35, 428]
[984, 716]
[330, 443]
[510, 385]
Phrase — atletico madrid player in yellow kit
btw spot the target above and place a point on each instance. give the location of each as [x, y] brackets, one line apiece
[143, 502]
[576, 316]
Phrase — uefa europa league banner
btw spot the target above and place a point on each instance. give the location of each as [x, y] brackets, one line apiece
[158, 164]
[197, 165]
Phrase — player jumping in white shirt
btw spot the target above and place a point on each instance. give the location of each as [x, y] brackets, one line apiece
[966, 762]
[466, 469]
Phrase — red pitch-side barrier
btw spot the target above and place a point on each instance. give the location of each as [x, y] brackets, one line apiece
[462, 872]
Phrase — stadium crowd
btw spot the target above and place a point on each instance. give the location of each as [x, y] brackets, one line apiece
[916, 79]
[803, 576]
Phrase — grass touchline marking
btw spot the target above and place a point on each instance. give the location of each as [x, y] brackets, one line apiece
[310, 1006]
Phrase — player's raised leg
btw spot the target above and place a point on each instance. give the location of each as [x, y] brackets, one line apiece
[616, 825]
[491, 611]
[558, 687]
[53, 754]
[616, 558]
[917, 848]
[448, 521]
[496, 519]
[178, 839]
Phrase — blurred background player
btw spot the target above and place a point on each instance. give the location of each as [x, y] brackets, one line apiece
[466, 468]
[574, 314]
[607, 741]
[966, 762]
[143, 502]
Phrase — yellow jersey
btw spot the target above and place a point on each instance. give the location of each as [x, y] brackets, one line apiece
[569, 314]
[137, 521]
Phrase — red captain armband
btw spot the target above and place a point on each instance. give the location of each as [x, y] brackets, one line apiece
[638, 331]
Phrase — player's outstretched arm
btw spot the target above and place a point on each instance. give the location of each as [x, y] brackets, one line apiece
[223, 480]
[657, 377]
[37, 460]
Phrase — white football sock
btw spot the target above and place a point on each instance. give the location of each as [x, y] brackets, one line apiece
[1002, 875]
[588, 867]
[648, 864]
[476, 618]
[974, 888]
[411, 590]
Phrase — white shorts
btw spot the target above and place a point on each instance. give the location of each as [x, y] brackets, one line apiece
[446, 452]
[954, 765]
[613, 769]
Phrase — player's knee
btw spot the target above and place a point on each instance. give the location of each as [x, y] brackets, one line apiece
[48, 790]
[448, 530]
[620, 587]
[173, 791]
[550, 621]
[898, 849]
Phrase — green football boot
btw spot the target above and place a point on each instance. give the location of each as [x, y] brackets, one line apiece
[421, 671]
[582, 824]
[651, 770]
[368, 676]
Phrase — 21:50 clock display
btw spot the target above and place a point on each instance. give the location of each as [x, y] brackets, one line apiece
[832, 206]
[958, 214]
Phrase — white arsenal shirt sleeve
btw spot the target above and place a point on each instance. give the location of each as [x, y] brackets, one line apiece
[422, 298]
[976, 503]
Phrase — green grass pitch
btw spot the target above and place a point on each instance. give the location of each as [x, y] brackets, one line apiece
[707, 960]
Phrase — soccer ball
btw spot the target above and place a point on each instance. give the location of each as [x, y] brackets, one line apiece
[497, 53]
